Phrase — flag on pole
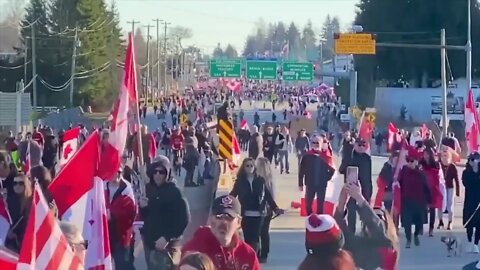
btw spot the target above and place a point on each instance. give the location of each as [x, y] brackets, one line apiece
[44, 246]
[70, 145]
[244, 125]
[28, 160]
[392, 131]
[75, 190]
[471, 123]
[113, 150]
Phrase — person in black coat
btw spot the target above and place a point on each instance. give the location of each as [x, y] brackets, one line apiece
[255, 143]
[314, 173]
[165, 212]
[471, 217]
[358, 158]
[254, 197]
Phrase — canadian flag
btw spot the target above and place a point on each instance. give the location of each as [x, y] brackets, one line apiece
[365, 132]
[471, 123]
[244, 125]
[28, 161]
[44, 246]
[113, 150]
[70, 145]
[392, 131]
[232, 164]
[5, 221]
[76, 192]
[234, 85]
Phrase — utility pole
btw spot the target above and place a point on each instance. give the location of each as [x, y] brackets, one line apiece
[133, 22]
[158, 53]
[74, 58]
[443, 72]
[25, 58]
[468, 46]
[34, 68]
[149, 65]
[165, 25]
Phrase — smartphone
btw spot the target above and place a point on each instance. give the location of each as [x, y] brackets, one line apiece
[352, 174]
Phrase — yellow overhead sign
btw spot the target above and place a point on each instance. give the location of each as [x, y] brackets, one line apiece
[351, 43]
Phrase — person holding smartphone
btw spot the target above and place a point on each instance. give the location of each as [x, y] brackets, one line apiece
[361, 159]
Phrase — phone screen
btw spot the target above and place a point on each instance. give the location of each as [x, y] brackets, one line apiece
[352, 174]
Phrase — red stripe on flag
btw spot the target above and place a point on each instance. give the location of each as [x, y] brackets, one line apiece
[57, 257]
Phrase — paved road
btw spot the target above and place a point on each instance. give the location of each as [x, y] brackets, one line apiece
[287, 231]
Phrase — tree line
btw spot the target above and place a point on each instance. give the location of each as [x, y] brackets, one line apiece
[92, 27]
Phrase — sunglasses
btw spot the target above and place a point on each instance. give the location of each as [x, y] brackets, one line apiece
[249, 166]
[361, 144]
[15, 183]
[225, 217]
[315, 142]
[162, 172]
[410, 160]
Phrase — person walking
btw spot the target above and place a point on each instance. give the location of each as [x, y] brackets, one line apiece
[264, 169]
[471, 217]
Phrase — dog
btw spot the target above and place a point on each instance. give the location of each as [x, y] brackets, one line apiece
[453, 245]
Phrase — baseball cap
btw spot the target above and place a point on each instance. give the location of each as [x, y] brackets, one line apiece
[226, 204]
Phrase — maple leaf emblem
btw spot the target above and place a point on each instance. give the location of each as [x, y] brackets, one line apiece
[67, 150]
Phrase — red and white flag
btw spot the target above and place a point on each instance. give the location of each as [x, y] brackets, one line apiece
[472, 123]
[44, 246]
[75, 190]
[234, 85]
[8, 259]
[127, 100]
[392, 131]
[244, 125]
[28, 161]
[70, 145]
[232, 164]
[5, 221]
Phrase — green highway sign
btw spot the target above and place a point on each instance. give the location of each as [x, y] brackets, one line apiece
[224, 68]
[297, 71]
[261, 70]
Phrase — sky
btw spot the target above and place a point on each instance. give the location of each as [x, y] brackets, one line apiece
[230, 21]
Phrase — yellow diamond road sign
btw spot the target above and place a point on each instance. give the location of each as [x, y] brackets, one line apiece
[371, 118]
[351, 43]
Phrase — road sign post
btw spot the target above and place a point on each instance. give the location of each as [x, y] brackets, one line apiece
[261, 70]
[224, 68]
[355, 43]
[297, 71]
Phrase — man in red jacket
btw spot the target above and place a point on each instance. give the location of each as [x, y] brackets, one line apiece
[220, 241]
[122, 211]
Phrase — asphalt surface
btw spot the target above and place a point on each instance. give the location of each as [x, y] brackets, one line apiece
[287, 231]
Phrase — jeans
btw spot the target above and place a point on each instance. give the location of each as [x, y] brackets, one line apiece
[122, 258]
[251, 227]
[265, 238]
[450, 201]
[283, 160]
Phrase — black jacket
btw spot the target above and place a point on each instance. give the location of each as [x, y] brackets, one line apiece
[366, 250]
[314, 171]
[167, 213]
[254, 197]
[364, 163]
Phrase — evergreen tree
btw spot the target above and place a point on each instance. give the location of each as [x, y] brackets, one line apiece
[96, 44]
[249, 49]
[293, 37]
[230, 52]
[218, 52]
[309, 42]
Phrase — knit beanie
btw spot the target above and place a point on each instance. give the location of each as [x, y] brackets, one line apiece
[322, 236]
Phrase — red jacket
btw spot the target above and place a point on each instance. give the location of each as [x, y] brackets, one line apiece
[122, 214]
[241, 254]
[177, 141]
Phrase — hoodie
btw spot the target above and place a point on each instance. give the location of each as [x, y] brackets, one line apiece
[238, 257]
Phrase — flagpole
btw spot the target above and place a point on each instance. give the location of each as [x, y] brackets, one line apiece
[137, 109]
